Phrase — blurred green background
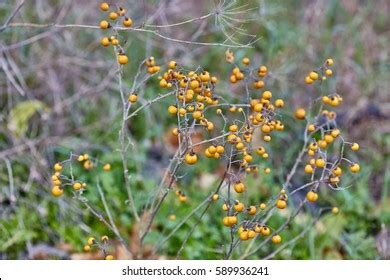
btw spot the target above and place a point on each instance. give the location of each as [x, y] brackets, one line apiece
[59, 94]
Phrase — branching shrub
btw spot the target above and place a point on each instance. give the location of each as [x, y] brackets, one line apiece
[212, 124]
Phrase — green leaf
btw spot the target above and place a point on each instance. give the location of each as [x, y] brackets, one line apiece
[21, 114]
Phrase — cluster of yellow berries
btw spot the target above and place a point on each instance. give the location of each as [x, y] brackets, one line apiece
[151, 66]
[115, 15]
[325, 71]
[249, 230]
[214, 151]
[58, 187]
[332, 100]
[195, 93]
[181, 195]
[316, 150]
[281, 202]
[85, 161]
[92, 242]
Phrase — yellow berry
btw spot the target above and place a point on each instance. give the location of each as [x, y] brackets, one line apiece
[91, 241]
[308, 169]
[329, 62]
[133, 98]
[252, 210]
[182, 198]
[239, 187]
[320, 162]
[328, 138]
[57, 191]
[313, 75]
[114, 41]
[311, 127]
[212, 149]
[244, 235]
[258, 107]
[263, 206]
[194, 84]
[121, 11]
[105, 42]
[127, 22]
[215, 197]
[182, 112]
[197, 115]
[335, 210]
[311, 196]
[172, 64]
[300, 113]
[328, 72]
[246, 61]
[263, 68]
[88, 164]
[265, 231]
[281, 204]
[251, 234]
[113, 15]
[57, 182]
[355, 168]
[239, 206]
[233, 128]
[267, 138]
[322, 144]
[104, 24]
[259, 84]
[220, 149]
[335, 132]
[355, 147]
[232, 220]
[87, 248]
[267, 94]
[248, 158]
[172, 109]
[326, 99]
[265, 128]
[276, 239]
[337, 171]
[279, 103]
[107, 167]
[225, 207]
[308, 80]
[77, 186]
[109, 257]
[205, 76]
[191, 158]
[104, 6]
[58, 167]
[175, 131]
[123, 59]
